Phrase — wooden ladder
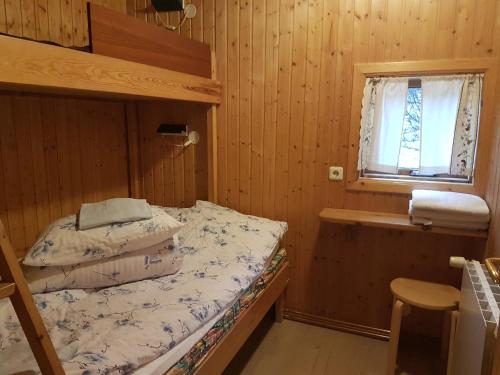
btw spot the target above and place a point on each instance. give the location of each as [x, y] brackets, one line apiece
[14, 285]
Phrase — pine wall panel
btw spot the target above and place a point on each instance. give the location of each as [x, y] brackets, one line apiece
[56, 153]
[286, 68]
[493, 191]
[172, 175]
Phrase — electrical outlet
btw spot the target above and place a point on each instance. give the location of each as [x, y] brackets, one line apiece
[336, 174]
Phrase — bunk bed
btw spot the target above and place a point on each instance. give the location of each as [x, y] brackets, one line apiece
[34, 67]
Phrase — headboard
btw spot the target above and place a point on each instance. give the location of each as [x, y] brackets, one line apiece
[117, 35]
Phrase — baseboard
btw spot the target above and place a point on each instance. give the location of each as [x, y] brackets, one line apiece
[358, 329]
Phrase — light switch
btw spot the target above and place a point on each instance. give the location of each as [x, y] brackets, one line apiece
[336, 173]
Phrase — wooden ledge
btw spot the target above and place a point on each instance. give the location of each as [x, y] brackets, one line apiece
[389, 221]
[42, 68]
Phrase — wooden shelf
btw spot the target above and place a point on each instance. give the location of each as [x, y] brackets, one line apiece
[390, 221]
[37, 67]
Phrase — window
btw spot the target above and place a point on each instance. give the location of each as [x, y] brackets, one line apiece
[413, 149]
[420, 128]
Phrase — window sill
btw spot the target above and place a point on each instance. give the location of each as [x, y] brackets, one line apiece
[382, 185]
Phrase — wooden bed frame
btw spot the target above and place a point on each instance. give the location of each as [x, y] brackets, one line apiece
[185, 72]
[221, 354]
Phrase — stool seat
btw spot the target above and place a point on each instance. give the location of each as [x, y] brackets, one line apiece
[426, 295]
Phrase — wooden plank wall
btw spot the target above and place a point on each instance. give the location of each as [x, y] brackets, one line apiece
[59, 21]
[172, 176]
[286, 67]
[493, 190]
[56, 153]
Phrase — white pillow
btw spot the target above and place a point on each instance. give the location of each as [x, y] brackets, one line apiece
[62, 244]
[116, 210]
[158, 260]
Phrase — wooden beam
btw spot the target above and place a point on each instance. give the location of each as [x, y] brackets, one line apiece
[133, 151]
[24, 306]
[212, 144]
[32, 66]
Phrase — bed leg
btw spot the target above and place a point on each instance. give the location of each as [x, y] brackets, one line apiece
[279, 308]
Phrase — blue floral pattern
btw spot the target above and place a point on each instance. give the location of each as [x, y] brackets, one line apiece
[117, 329]
[63, 244]
[154, 261]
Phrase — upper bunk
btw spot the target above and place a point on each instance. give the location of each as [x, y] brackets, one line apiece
[42, 68]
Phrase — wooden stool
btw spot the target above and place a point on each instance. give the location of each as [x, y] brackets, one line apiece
[425, 295]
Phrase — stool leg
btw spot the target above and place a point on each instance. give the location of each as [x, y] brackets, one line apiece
[445, 335]
[397, 313]
[453, 330]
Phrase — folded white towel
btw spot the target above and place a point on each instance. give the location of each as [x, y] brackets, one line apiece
[446, 202]
[115, 210]
[449, 223]
[445, 216]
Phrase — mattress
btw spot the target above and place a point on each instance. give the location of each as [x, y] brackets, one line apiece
[121, 328]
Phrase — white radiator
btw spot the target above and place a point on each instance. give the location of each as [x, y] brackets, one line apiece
[478, 322]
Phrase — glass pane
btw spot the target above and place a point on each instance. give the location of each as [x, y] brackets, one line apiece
[409, 155]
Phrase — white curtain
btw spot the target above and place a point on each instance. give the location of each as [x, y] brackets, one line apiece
[367, 110]
[464, 143]
[440, 102]
[382, 115]
[450, 111]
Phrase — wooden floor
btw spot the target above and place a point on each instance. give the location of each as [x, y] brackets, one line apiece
[295, 348]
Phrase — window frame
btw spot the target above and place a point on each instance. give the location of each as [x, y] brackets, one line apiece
[363, 71]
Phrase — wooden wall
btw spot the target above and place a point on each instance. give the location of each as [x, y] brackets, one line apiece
[493, 191]
[172, 176]
[56, 153]
[286, 67]
[59, 21]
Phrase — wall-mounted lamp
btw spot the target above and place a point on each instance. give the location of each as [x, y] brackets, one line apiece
[193, 137]
[173, 129]
[168, 5]
[189, 11]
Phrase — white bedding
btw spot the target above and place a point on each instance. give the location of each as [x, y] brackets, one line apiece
[158, 260]
[62, 244]
[163, 363]
[118, 329]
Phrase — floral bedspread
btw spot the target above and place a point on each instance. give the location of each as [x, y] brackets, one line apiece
[116, 330]
[191, 360]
